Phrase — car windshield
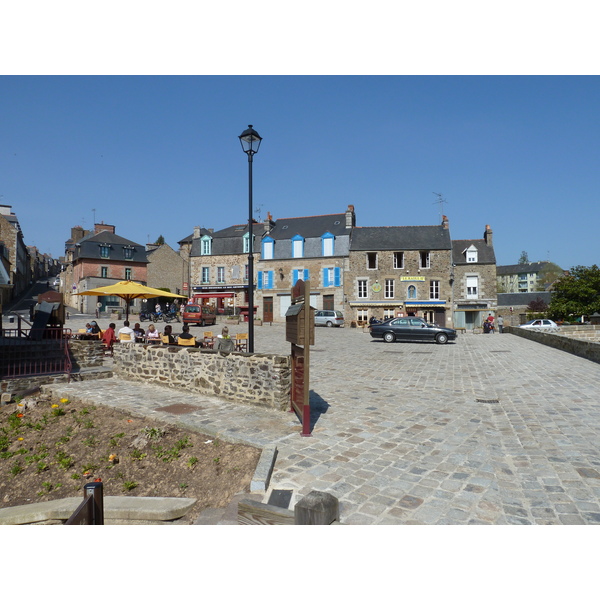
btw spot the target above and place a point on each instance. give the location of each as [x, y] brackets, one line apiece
[192, 309]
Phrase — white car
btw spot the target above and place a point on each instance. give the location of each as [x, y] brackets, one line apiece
[541, 325]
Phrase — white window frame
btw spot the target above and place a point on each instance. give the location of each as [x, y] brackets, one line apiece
[424, 260]
[472, 291]
[390, 288]
[401, 261]
[362, 288]
[202, 273]
[434, 289]
[367, 256]
[220, 274]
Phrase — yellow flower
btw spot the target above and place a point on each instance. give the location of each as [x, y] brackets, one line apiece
[64, 400]
[19, 439]
[55, 406]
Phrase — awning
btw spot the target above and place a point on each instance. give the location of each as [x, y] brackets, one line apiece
[215, 295]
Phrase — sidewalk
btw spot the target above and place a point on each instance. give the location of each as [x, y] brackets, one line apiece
[492, 429]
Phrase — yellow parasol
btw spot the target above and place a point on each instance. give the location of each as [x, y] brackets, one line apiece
[128, 291]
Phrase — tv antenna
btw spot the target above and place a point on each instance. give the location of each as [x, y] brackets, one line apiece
[257, 212]
[441, 201]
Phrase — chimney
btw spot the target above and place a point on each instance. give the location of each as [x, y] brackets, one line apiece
[487, 235]
[196, 232]
[98, 227]
[268, 223]
[350, 217]
[445, 222]
[77, 233]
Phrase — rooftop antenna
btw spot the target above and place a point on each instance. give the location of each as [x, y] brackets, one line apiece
[257, 211]
[94, 213]
[441, 202]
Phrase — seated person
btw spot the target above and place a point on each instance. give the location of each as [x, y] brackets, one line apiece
[95, 328]
[186, 335]
[168, 333]
[138, 332]
[152, 335]
[126, 331]
[109, 337]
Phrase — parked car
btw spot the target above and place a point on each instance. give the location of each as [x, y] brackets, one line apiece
[541, 325]
[411, 329]
[329, 318]
[201, 315]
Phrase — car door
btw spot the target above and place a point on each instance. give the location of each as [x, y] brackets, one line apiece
[419, 331]
[401, 329]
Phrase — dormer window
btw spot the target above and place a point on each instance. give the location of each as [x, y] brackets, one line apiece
[246, 239]
[104, 250]
[471, 254]
[128, 252]
[297, 246]
[206, 246]
[327, 240]
[268, 245]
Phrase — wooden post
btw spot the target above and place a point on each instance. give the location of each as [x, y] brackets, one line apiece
[317, 508]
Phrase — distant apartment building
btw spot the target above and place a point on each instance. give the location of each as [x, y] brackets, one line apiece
[521, 278]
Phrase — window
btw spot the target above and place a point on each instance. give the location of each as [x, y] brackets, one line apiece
[128, 274]
[105, 251]
[300, 274]
[389, 290]
[205, 274]
[267, 248]
[297, 247]
[265, 280]
[472, 254]
[246, 273]
[398, 260]
[388, 313]
[331, 277]
[411, 292]
[424, 260]
[220, 274]
[362, 314]
[206, 246]
[434, 290]
[472, 284]
[362, 288]
[371, 260]
[327, 244]
[128, 253]
[104, 272]
[247, 243]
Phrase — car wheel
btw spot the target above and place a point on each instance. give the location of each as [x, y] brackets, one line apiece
[329, 324]
[202, 323]
[388, 336]
[441, 338]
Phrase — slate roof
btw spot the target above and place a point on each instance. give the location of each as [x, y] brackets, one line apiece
[409, 237]
[88, 247]
[310, 227]
[229, 240]
[485, 253]
[534, 267]
[523, 298]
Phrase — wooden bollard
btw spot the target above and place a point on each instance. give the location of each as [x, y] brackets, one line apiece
[317, 508]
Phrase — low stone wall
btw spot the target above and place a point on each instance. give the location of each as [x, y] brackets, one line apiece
[257, 379]
[86, 354]
[565, 340]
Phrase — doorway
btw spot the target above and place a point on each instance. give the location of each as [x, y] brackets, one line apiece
[268, 309]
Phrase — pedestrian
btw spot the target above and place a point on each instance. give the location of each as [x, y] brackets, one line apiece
[500, 322]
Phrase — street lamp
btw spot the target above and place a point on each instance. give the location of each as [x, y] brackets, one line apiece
[250, 141]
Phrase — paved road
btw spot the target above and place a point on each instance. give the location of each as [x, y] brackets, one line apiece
[492, 429]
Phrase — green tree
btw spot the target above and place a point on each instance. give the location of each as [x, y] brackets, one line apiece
[160, 240]
[577, 293]
[549, 273]
[524, 259]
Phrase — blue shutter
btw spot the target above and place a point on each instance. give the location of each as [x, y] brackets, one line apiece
[269, 285]
[306, 274]
[336, 275]
[260, 280]
[326, 278]
[295, 276]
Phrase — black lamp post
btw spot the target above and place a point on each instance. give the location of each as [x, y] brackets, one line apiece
[250, 141]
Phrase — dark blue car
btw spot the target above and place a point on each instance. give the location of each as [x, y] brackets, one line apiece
[411, 329]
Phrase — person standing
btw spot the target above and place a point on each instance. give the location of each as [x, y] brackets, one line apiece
[500, 322]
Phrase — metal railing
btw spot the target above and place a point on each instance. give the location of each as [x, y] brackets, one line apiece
[31, 352]
[91, 510]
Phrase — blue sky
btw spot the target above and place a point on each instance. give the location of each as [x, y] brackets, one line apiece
[156, 155]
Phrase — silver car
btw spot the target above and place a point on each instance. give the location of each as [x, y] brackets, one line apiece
[540, 325]
[330, 318]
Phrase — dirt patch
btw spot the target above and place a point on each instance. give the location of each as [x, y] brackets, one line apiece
[49, 451]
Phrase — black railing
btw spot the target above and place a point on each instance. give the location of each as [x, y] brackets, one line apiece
[91, 510]
[32, 352]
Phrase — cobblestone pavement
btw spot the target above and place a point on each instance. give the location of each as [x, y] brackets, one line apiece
[491, 429]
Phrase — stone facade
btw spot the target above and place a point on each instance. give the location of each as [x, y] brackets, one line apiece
[258, 379]
[166, 269]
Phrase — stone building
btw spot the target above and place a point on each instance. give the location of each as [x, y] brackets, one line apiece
[314, 249]
[97, 259]
[397, 271]
[474, 275]
[166, 268]
[11, 238]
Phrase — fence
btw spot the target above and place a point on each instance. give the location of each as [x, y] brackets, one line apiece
[91, 510]
[33, 352]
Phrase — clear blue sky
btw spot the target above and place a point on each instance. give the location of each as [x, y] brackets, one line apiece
[159, 154]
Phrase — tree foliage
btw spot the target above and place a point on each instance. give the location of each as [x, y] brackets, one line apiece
[577, 293]
[160, 240]
[524, 258]
[549, 273]
[537, 306]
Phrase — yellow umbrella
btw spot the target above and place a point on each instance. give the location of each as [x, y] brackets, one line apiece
[128, 291]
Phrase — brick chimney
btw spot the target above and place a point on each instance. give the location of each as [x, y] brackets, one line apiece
[78, 233]
[445, 222]
[98, 227]
[350, 217]
[268, 223]
[196, 232]
[487, 235]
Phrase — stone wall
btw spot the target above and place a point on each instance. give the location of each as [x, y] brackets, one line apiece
[257, 379]
[565, 340]
[86, 354]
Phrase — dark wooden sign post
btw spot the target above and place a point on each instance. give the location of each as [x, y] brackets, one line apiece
[300, 332]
